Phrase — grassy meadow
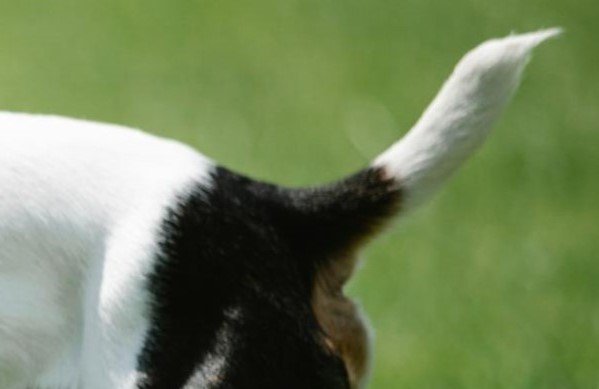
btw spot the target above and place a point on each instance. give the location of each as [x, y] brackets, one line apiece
[495, 283]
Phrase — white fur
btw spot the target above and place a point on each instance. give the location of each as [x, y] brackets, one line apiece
[458, 120]
[213, 366]
[80, 203]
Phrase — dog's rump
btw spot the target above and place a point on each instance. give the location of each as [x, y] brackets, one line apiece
[323, 226]
[133, 222]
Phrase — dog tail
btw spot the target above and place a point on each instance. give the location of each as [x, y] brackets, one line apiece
[454, 125]
[460, 117]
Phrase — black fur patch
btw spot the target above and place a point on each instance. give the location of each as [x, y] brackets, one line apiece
[252, 248]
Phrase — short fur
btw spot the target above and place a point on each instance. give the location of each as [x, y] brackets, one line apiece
[130, 261]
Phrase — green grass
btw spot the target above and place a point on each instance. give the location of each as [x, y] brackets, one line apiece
[495, 284]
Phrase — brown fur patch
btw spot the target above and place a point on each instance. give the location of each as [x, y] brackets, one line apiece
[360, 207]
[345, 333]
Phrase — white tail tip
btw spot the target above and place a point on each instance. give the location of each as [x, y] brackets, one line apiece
[537, 37]
[457, 121]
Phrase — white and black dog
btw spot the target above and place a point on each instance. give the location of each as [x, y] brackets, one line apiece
[129, 261]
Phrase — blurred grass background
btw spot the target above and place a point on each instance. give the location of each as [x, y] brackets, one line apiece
[493, 285]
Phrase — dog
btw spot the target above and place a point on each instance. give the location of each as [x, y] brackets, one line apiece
[131, 261]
